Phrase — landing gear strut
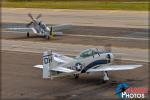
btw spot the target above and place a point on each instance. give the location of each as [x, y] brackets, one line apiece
[47, 37]
[106, 78]
[27, 34]
[76, 76]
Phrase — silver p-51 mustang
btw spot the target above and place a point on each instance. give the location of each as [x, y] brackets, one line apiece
[38, 27]
[89, 60]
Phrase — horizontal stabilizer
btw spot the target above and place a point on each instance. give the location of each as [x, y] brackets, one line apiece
[58, 33]
[57, 69]
[62, 69]
[38, 66]
[61, 27]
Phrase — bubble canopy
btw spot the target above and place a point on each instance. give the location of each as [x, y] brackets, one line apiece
[88, 52]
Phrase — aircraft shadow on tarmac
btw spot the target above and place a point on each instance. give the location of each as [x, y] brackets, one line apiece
[34, 37]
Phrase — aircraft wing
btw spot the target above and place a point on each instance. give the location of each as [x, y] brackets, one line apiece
[58, 69]
[21, 29]
[61, 27]
[112, 68]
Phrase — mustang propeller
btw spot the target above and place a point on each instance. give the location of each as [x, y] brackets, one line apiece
[117, 56]
[108, 48]
[33, 19]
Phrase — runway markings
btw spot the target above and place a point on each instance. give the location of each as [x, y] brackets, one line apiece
[111, 37]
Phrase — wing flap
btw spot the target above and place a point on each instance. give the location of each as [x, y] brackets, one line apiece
[113, 68]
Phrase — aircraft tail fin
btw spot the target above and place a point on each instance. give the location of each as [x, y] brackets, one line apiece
[47, 63]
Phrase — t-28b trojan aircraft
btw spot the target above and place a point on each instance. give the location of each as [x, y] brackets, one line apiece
[38, 27]
[89, 60]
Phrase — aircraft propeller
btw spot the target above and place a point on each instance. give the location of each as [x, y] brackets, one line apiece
[40, 15]
[51, 31]
[30, 15]
[29, 24]
[33, 19]
[117, 56]
[108, 48]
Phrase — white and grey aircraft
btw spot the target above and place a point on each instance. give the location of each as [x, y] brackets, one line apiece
[88, 61]
[38, 27]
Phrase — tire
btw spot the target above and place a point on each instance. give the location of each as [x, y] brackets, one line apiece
[104, 81]
[28, 35]
[76, 76]
[47, 37]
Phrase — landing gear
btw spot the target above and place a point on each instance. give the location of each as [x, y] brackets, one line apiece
[76, 76]
[48, 37]
[28, 35]
[106, 78]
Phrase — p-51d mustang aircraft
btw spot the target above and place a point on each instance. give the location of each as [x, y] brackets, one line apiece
[38, 27]
[89, 60]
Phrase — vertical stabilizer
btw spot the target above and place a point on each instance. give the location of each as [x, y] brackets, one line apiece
[47, 59]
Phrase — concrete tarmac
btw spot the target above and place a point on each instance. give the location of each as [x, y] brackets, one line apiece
[119, 37]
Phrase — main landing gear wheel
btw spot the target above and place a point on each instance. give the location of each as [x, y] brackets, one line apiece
[76, 76]
[28, 35]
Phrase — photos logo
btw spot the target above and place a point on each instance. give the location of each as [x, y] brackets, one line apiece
[124, 91]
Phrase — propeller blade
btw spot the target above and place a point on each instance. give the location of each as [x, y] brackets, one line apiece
[118, 59]
[51, 30]
[40, 15]
[108, 48]
[98, 52]
[30, 15]
[29, 24]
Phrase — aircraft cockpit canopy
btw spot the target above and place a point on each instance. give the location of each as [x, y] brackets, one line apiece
[88, 53]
